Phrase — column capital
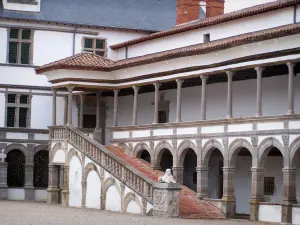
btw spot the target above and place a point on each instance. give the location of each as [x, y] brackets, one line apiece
[259, 69]
[202, 169]
[116, 91]
[99, 93]
[204, 78]
[54, 90]
[258, 170]
[179, 82]
[289, 170]
[290, 65]
[70, 88]
[230, 73]
[136, 89]
[228, 169]
[157, 85]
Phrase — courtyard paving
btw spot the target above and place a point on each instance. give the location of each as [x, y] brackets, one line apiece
[30, 213]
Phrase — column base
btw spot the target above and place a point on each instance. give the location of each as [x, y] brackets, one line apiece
[229, 207]
[29, 193]
[3, 193]
[286, 212]
[97, 135]
[254, 207]
[53, 195]
[65, 198]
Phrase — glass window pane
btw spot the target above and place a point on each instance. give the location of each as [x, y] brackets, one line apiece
[25, 52]
[10, 116]
[100, 44]
[13, 52]
[88, 43]
[100, 53]
[26, 34]
[23, 117]
[14, 33]
[11, 98]
[24, 99]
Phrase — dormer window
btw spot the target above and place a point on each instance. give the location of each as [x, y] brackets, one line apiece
[28, 2]
[95, 45]
[206, 38]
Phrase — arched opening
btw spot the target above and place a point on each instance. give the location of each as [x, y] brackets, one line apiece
[243, 164]
[296, 165]
[189, 173]
[166, 161]
[273, 177]
[40, 169]
[15, 168]
[215, 174]
[145, 155]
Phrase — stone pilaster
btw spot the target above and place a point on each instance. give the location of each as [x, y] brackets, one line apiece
[229, 203]
[98, 131]
[135, 105]
[156, 100]
[259, 71]
[70, 101]
[29, 189]
[291, 88]
[257, 194]
[83, 199]
[115, 121]
[229, 94]
[53, 190]
[203, 97]
[166, 200]
[122, 186]
[289, 194]
[65, 192]
[178, 174]
[81, 104]
[178, 106]
[3, 180]
[202, 182]
[54, 107]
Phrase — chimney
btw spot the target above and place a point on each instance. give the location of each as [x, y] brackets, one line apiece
[214, 8]
[187, 11]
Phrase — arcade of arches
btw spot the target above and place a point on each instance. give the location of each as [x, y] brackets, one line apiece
[231, 179]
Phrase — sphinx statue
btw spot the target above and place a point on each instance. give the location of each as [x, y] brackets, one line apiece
[167, 178]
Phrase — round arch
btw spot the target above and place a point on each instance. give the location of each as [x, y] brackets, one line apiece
[294, 150]
[129, 198]
[140, 148]
[265, 147]
[235, 147]
[183, 148]
[20, 147]
[41, 148]
[159, 150]
[72, 152]
[58, 146]
[208, 148]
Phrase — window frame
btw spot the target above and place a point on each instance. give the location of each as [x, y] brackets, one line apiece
[19, 40]
[17, 105]
[94, 49]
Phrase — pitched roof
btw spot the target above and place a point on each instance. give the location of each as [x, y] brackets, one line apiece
[81, 60]
[251, 11]
[152, 15]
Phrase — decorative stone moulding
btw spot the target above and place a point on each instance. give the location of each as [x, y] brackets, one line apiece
[28, 2]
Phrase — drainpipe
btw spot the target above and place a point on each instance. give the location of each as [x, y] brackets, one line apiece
[74, 35]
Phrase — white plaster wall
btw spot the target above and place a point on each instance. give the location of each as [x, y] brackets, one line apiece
[74, 113]
[233, 5]
[10, 135]
[3, 44]
[22, 7]
[59, 157]
[75, 178]
[41, 111]
[296, 215]
[2, 110]
[16, 194]
[298, 14]
[133, 207]
[269, 213]
[60, 107]
[93, 191]
[113, 199]
[40, 195]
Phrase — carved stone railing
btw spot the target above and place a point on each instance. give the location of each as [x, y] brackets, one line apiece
[131, 177]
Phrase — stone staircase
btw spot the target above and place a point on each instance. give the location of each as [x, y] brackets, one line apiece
[189, 206]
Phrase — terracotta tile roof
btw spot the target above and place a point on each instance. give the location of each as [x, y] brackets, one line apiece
[251, 11]
[89, 61]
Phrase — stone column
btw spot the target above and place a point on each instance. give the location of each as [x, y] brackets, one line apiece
[135, 105]
[70, 101]
[289, 194]
[65, 110]
[81, 104]
[54, 107]
[257, 194]
[202, 182]
[166, 200]
[229, 204]
[156, 100]
[259, 71]
[3, 176]
[29, 189]
[203, 97]
[291, 89]
[65, 192]
[178, 109]
[115, 122]
[98, 131]
[178, 174]
[53, 190]
[229, 94]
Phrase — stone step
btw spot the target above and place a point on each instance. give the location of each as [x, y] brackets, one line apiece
[189, 206]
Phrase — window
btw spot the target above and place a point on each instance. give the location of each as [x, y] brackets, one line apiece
[20, 46]
[162, 117]
[269, 186]
[96, 46]
[206, 38]
[18, 108]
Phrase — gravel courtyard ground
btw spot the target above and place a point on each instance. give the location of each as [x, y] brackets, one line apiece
[31, 213]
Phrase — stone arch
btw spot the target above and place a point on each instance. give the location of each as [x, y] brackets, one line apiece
[56, 147]
[20, 147]
[235, 147]
[88, 168]
[183, 149]
[265, 147]
[72, 153]
[40, 148]
[132, 197]
[139, 148]
[158, 151]
[208, 149]
[92, 193]
[294, 147]
[110, 182]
